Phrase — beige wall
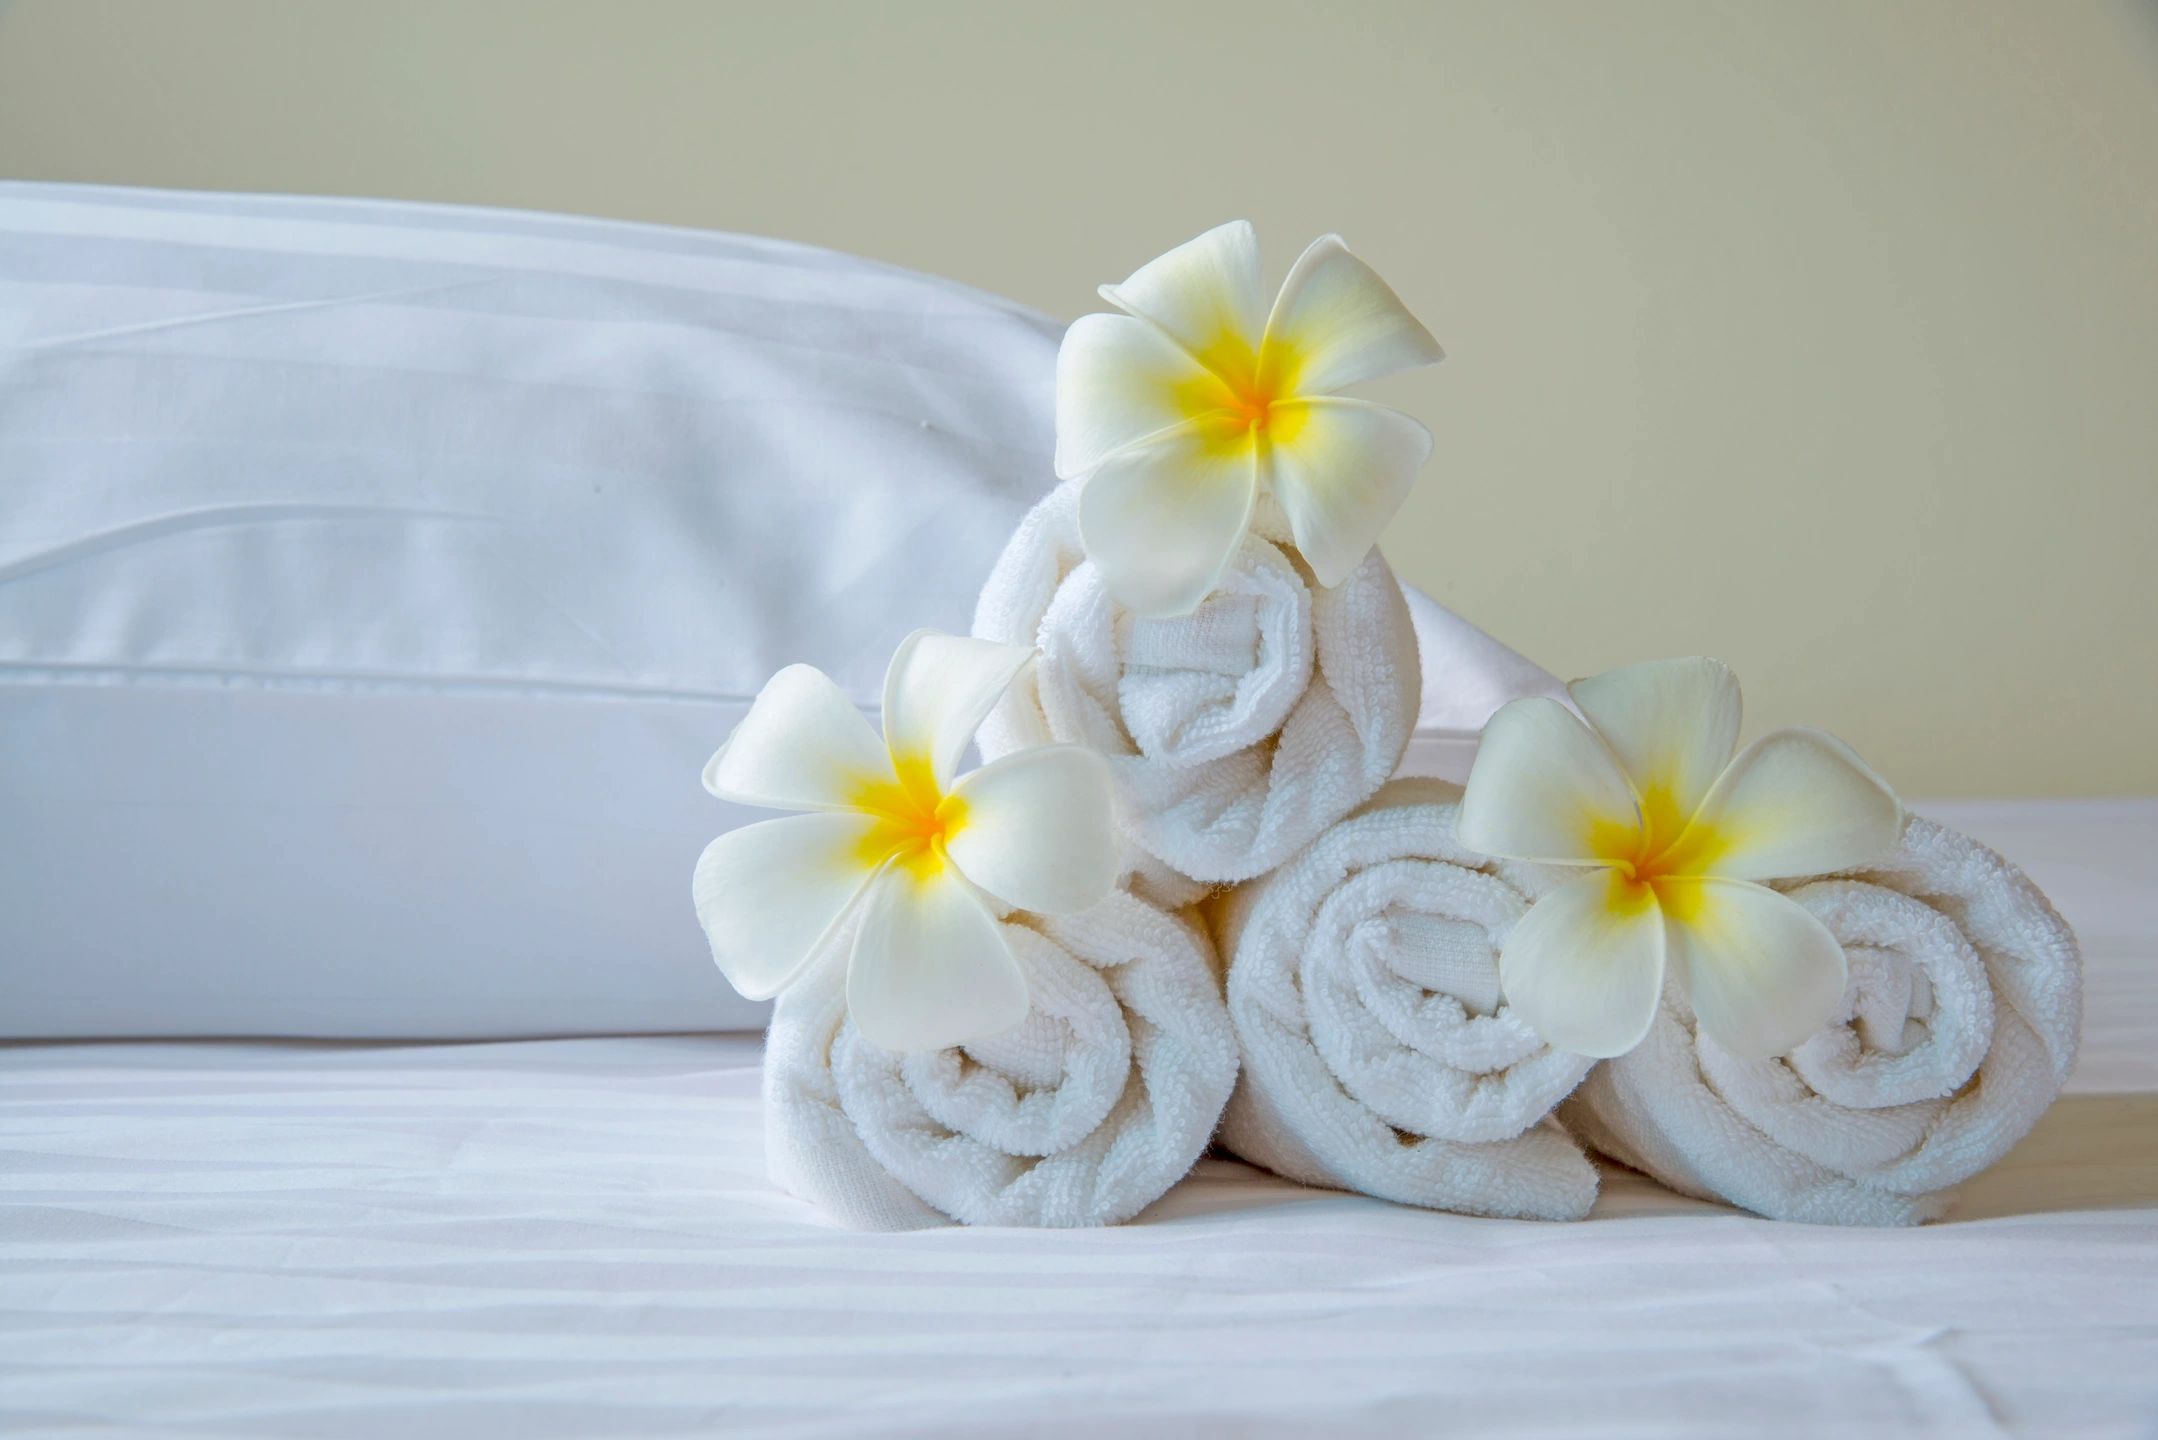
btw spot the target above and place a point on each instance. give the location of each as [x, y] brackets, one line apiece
[1821, 335]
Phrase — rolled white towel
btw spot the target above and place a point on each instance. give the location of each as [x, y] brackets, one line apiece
[1234, 734]
[1957, 1029]
[1083, 1115]
[1378, 1055]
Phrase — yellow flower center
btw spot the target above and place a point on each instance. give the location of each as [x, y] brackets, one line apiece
[1656, 853]
[1246, 395]
[1254, 408]
[915, 820]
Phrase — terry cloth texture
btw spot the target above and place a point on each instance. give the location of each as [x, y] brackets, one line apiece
[1956, 1031]
[1378, 1054]
[1235, 734]
[1084, 1114]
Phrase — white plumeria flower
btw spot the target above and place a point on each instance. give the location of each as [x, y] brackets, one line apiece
[1181, 410]
[1679, 835]
[892, 839]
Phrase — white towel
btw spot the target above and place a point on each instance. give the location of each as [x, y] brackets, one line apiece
[1084, 1115]
[1956, 1032]
[1234, 734]
[1378, 1056]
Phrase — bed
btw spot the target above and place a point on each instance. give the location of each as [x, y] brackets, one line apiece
[375, 580]
[574, 1237]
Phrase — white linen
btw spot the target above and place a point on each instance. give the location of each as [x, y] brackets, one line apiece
[573, 1238]
[1378, 1055]
[1956, 1031]
[1104, 1097]
[1234, 734]
[375, 579]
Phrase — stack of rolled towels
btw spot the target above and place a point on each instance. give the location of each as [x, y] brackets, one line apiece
[1302, 964]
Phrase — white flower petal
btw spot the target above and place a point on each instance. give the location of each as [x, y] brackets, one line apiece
[1798, 802]
[1205, 295]
[1585, 966]
[1543, 787]
[1120, 380]
[1161, 521]
[937, 691]
[1336, 323]
[1673, 725]
[802, 746]
[1763, 973]
[930, 966]
[1037, 831]
[1340, 469]
[770, 895]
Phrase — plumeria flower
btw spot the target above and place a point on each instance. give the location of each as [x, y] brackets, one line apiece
[1180, 411]
[892, 842]
[1674, 837]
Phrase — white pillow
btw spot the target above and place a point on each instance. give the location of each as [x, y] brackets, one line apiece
[376, 578]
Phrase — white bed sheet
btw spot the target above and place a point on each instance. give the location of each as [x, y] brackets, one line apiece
[575, 1238]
